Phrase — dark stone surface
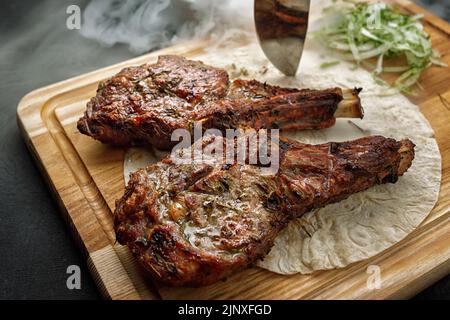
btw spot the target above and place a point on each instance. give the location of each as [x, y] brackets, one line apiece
[35, 244]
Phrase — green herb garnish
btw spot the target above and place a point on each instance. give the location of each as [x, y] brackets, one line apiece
[329, 64]
[364, 31]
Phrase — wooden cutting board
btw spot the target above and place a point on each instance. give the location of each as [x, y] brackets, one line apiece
[86, 177]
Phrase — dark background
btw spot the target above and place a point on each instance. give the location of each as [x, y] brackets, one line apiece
[35, 244]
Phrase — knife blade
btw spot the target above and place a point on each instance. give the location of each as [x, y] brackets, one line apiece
[281, 26]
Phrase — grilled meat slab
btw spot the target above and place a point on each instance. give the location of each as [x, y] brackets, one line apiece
[191, 225]
[145, 104]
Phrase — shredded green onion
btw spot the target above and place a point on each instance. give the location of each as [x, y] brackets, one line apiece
[329, 64]
[374, 30]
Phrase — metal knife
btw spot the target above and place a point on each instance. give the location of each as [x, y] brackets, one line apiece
[281, 27]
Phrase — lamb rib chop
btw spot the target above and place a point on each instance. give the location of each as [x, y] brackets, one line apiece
[145, 104]
[191, 225]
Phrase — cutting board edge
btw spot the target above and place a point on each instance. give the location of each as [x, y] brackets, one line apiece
[33, 128]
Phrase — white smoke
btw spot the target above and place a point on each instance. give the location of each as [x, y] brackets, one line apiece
[149, 24]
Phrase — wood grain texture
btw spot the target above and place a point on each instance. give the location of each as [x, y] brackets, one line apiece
[86, 179]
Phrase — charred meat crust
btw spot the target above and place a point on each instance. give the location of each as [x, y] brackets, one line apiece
[192, 225]
[145, 104]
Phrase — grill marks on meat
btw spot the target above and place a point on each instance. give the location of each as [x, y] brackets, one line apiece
[191, 225]
[145, 104]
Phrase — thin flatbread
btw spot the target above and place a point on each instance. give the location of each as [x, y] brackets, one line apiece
[368, 222]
